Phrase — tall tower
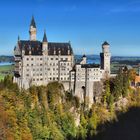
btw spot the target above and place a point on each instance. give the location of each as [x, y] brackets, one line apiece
[45, 44]
[84, 59]
[105, 58]
[32, 30]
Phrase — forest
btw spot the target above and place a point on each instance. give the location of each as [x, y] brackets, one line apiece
[51, 113]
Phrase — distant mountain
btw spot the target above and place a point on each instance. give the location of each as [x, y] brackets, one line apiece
[4, 58]
[119, 59]
[90, 58]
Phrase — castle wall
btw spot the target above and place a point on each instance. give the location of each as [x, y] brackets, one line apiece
[80, 90]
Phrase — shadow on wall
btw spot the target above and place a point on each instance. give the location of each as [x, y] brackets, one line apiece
[126, 128]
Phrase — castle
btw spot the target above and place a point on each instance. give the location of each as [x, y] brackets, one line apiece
[39, 63]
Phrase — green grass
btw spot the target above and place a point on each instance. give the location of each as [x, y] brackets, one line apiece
[6, 70]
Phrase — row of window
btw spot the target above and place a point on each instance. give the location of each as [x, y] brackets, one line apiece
[51, 78]
[62, 59]
[88, 69]
[56, 64]
[37, 74]
[51, 64]
[54, 78]
[38, 79]
[34, 74]
[87, 79]
[54, 69]
[33, 59]
[33, 64]
[34, 70]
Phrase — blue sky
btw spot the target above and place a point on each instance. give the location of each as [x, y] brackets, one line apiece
[86, 23]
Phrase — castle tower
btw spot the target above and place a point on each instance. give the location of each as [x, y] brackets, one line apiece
[105, 58]
[84, 59]
[32, 30]
[45, 43]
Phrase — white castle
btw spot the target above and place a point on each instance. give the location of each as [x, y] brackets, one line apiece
[39, 63]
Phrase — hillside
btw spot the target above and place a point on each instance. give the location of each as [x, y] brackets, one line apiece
[6, 70]
[126, 128]
[49, 112]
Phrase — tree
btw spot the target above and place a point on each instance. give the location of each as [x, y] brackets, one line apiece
[107, 97]
[118, 86]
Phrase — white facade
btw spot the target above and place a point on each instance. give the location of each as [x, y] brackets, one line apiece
[38, 63]
[87, 78]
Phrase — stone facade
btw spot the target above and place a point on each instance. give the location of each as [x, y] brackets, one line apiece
[87, 79]
[38, 63]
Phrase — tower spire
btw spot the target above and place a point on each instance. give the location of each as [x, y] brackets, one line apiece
[33, 24]
[18, 38]
[32, 30]
[45, 37]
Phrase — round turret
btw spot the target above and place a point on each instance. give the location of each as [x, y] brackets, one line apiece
[105, 47]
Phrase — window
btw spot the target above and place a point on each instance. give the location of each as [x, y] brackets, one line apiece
[32, 59]
[51, 58]
[27, 64]
[40, 58]
[27, 59]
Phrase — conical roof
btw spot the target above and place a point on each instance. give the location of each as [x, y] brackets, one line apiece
[105, 43]
[45, 37]
[33, 22]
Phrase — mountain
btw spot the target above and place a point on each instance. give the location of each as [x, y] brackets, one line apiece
[4, 58]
